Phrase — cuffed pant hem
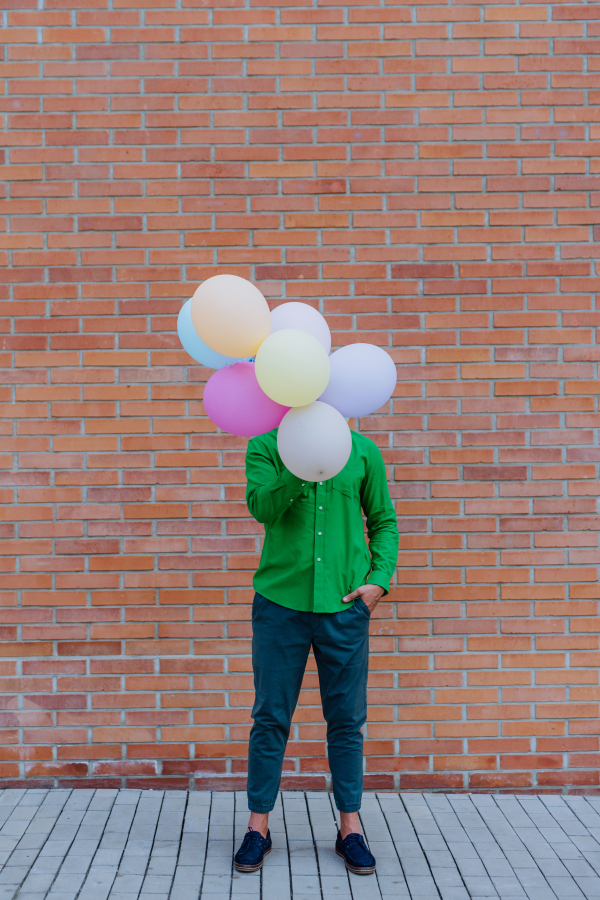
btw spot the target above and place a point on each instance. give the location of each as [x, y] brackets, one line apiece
[348, 807]
[257, 808]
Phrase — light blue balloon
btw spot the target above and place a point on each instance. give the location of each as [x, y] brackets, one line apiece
[195, 346]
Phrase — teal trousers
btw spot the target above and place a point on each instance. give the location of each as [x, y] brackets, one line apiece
[281, 642]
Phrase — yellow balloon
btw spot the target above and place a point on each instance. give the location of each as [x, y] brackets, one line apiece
[292, 367]
[230, 315]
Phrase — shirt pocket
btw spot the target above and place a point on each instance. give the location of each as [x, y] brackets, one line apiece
[347, 483]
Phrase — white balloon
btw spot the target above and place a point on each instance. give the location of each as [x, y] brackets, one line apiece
[304, 318]
[314, 441]
[362, 379]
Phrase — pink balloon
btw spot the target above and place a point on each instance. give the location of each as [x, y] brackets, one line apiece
[236, 403]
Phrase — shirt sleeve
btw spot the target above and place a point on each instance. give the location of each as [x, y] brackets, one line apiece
[382, 526]
[268, 492]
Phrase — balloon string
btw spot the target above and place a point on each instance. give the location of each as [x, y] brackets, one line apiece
[230, 364]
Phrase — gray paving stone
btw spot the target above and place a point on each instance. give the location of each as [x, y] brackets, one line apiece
[38, 895]
[185, 890]
[127, 884]
[217, 883]
[157, 884]
[220, 896]
[13, 874]
[187, 875]
[67, 881]
[76, 863]
[37, 883]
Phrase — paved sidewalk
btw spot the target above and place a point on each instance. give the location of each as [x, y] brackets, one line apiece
[171, 845]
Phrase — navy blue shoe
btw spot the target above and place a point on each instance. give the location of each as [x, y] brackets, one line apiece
[355, 853]
[251, 854]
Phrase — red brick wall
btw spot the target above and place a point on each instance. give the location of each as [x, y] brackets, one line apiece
[428, 175]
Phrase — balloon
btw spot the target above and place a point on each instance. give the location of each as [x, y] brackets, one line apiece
[231, 315]
[314, 441]
[292, 367]
[196, 347]
[363, 378]
[236, 404]
[303, 317]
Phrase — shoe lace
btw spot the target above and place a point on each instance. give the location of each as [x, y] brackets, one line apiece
[354, 838]
[252, 836]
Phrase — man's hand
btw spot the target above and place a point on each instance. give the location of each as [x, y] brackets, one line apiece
[370, 594]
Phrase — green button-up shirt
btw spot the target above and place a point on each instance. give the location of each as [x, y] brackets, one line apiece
[315, 550]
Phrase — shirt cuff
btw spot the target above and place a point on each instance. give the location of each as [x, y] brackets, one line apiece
[380, 578]
[292, 482]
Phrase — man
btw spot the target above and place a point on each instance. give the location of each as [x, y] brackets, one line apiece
[317, 585]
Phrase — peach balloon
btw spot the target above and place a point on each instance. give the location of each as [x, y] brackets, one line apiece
[231, 315]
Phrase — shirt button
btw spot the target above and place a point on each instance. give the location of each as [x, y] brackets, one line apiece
[320, 507]
[303, 483]
[318, 559]
[320, 532]
[320, 482]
